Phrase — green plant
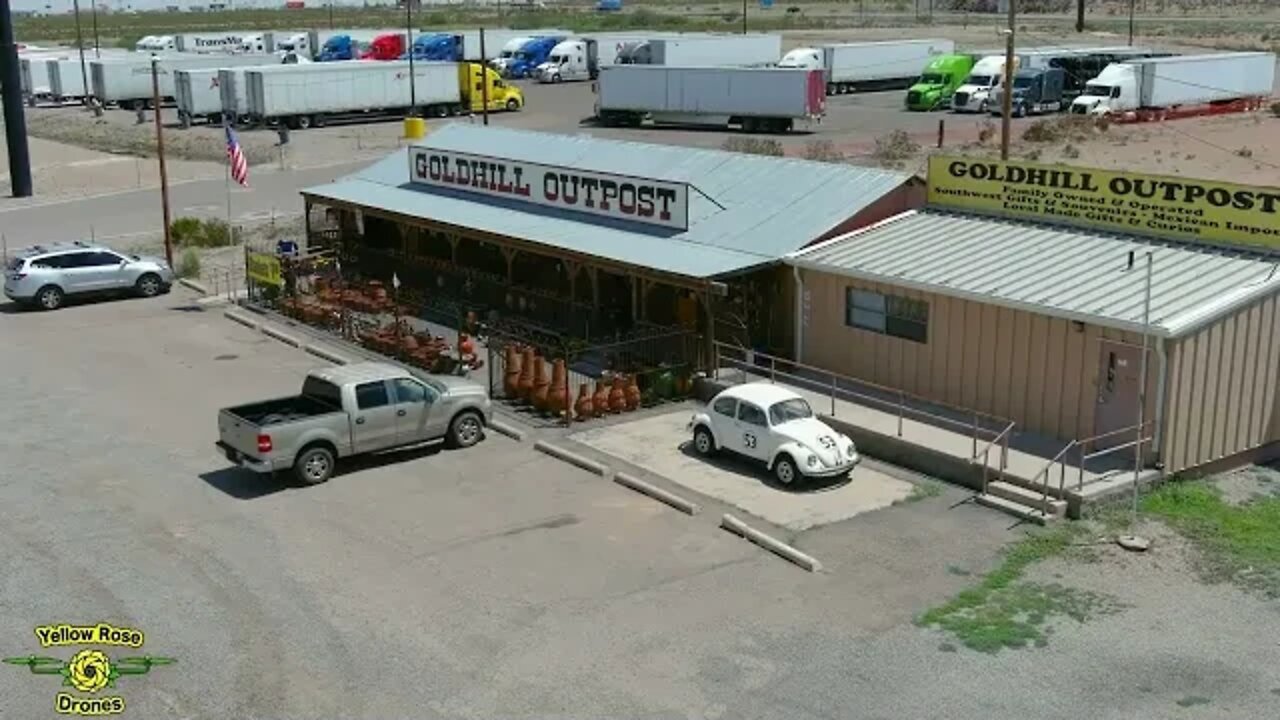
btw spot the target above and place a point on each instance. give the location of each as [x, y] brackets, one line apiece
[217, 233]
[822, 151]
[892, 149]
[189, 264]
[754, 146]
[194, 232]
[185, 230]
[1071, 151]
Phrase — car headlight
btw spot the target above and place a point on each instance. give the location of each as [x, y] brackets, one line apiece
[812, 460]
[851, 450]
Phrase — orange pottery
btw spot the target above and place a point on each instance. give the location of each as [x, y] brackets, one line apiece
[617, 395]
[583, 407]
[511, 378]
[540, 384]
[633, 393]
[465, 345]
[524, 387]
[558, 393]
[600, 401]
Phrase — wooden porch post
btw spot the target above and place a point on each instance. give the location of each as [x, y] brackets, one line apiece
[510, 256]
[453, 249]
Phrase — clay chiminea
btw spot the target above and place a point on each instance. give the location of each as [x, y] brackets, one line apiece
[465, 345]
[600, 401]
[583, 407]
[617, 395]
[540, 384]
[558, 393]
[633, 393]
[524, 387]
[511, 378]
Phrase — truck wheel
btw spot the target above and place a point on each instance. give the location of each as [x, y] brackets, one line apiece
[184, 120]
[314, 465]
[831, 89]
[513, 105]
[304, 122]
[556, 78]
[466, 429]
[317, 121]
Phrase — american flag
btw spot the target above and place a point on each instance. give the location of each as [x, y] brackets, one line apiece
[235, 156]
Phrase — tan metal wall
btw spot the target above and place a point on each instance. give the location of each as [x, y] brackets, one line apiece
[1222, 388]
[1040, 371]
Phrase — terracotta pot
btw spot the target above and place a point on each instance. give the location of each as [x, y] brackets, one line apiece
[465, 344]
[583, 407]
[540, 384]
[633, 393]
[558, 392]
[511, 378]
[524, 387]
[617, 395]
[600, 401]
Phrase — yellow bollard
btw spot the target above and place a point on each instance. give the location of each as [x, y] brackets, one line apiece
[415, 128]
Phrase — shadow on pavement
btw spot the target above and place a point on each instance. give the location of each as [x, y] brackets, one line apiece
[245, 484]
[751, 470]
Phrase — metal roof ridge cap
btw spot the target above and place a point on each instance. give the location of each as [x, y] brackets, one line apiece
[798, 254]
[1221, 306]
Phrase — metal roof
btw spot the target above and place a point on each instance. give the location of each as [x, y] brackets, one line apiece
[744, 210]
[1072, 273]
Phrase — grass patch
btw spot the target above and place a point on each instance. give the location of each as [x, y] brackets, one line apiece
[1192, 700]
[923, 490]
[1240, 543]
[1004, 612]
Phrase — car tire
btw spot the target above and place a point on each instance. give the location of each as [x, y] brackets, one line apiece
[149, 285]
[704, 443]
[466, 429]
[49, 297]
[785, 470]
[314, 466]
[513, 105]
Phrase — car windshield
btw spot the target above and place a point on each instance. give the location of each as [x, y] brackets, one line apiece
[788, 410]
[436, 385]
[1096, 91]
[1023, 82]
[932, 79]
[982, 80]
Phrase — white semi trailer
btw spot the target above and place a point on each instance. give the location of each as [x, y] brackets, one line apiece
[303, 96]
[755, 99]
[868, 65]
[127, 81]
[1181, 84]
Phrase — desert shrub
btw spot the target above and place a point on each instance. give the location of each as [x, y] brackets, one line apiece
[194, 232]
[894, 148]
[753, 146]
[189, 264]
[822, 151]
[184, 230]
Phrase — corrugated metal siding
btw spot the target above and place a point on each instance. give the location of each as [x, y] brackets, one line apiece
[1222, 386]
[771, 206]
[1058, 271]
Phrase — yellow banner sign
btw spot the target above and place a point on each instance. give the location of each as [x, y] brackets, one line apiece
[264, 269]
[1173, 207]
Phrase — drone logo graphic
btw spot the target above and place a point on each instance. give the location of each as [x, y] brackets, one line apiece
[89, 670]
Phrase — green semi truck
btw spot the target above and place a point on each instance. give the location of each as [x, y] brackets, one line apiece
[938, 81]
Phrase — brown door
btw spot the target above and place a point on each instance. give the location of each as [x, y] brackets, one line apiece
[1118, 390]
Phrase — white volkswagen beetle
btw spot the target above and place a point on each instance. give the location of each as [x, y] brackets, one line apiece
[776, 426]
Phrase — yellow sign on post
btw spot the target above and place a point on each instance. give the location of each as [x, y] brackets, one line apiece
[1174, 207]
[265, 269]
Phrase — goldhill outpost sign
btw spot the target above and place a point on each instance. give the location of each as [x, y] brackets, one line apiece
[1174, 207]
[620, 197]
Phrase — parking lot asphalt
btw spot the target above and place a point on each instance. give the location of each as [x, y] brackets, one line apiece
[495, 582]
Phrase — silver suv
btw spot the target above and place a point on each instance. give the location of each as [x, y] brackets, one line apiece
[45, 274]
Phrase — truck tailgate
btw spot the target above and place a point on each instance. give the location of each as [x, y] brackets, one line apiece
[238, 433]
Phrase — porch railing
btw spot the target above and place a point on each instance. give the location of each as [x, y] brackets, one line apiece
[1079, 447]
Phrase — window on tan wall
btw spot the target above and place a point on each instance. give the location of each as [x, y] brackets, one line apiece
[893, 315]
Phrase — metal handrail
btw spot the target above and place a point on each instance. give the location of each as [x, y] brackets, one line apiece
[900, 405]
[1083, 457]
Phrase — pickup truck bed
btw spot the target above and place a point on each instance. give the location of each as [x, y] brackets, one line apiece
[282, 410]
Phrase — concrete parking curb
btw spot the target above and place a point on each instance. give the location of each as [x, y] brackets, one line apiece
[281, 336]
[737, 527]
[192, 284]
[325, 354]
[657, 493]
[570, 457]
[243, 320]
[504, 429]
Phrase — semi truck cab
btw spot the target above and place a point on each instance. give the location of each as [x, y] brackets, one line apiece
[531, 55]
[806, 58]
[508, 53]
[939, 81]
[571, 60]
[1034, 92]
[1114, 90]
[975, 94]
[385, 47]
[341, 47]
[436, 47]
[502, 96]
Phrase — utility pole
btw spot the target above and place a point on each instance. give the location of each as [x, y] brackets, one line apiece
[1131, 4]
[1079, 16]
[1006, 95]
[97, 52]
[484, 81]
[1142, 382]
[164, 175]
[84, 72]
[744, 17]
[408, 31]
[15, 119]
[331, 13]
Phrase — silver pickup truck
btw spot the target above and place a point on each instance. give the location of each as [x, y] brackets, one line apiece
[351, 410]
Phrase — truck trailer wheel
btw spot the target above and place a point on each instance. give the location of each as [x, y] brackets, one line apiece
[314, 465]
[513, 105]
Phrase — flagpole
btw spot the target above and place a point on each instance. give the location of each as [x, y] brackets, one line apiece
[227, 182]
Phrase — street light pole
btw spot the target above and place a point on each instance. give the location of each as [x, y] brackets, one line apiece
[408, 31]
[744, 17]
[1142, 382]
[97, 54]
[1006, 96]
[1131, 4]
[331, 13]
[15, 119]
[164, 176]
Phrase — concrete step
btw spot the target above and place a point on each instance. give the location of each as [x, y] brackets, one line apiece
[1031, 498]
[1015, 509]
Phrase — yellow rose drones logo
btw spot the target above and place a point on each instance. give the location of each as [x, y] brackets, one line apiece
[90, 670]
